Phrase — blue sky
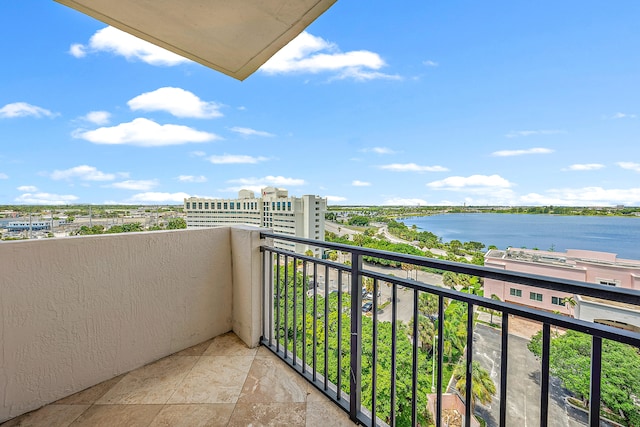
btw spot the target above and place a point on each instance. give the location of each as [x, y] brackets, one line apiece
[432, 103]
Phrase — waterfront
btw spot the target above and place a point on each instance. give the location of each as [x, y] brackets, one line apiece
[619, 235]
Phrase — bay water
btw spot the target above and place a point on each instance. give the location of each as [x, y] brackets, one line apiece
[619, 235]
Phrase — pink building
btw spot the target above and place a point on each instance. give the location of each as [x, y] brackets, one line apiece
[586, 266]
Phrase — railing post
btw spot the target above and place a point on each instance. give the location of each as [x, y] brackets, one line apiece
[596, 378]
[356, 337]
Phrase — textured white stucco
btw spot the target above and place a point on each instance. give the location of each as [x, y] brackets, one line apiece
[77, 311]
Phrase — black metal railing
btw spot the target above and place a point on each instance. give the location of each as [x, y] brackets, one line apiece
[315, 323]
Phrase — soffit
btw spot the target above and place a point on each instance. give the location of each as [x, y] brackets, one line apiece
[234, 37]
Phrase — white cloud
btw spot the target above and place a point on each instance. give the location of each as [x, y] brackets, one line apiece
[520, 133]
[270, 180]
[145, 133]
[378, 150]
[630, 166]
[77, 50]
[584, 167]
[176, 101]
[118, 42]
[310, 54]
[27, 188]
[412, 167]
[236, 159]
[399, 201]
[4, 175]
[250, 132]
[84, 173]
[510, 153]
[191, 178]
[136, 185]
[45, 199]
[98, 117]
[430, 63]
[257, 184]
[357, 183]
[335, 199]
[473, 182]
[157, 197]
[197, 153]
[22, 109]
[623, 116]
[586, 196]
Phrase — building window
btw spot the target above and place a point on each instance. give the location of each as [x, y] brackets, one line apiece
[232, 206]
[535, 296]
[206, 205]
[515, 292]
[557, 301]
[199, 205]
[226, 206]
[188, 205]
[219, 205]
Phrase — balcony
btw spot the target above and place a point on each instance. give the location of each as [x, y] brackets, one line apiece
[220, 382]
[159, 327]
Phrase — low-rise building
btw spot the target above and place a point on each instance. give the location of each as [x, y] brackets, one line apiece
[274, 209]
[601, 268]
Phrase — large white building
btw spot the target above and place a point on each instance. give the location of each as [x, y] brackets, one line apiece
[274, 209]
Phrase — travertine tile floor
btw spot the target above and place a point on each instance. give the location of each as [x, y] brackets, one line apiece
[219, 382]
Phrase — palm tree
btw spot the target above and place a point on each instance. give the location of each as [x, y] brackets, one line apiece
[570, 303]
[426, 333]
[482, 386]
[428, 304]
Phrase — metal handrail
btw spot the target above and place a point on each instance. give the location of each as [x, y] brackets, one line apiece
[351, 402]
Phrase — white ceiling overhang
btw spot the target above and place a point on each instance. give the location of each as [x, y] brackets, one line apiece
[234, 37]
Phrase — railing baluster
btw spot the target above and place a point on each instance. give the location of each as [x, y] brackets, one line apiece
[374, 352]
[394, 337]
[440, 358]
[504, 359]
[469, 379]
[271, 301]
[286, 306]
[339, 371]
[303, 295]
[326, 328]
[414, 377]
[596, 378]
[315, 321]
[544, 375]
[279, 326]
[356, 337]
[294, 319]
[265, 296]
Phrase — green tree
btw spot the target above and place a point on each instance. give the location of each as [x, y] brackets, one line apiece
[482, 386]
[428, 304]
[358, 220]
[176, 223]
[85, 230]
[570, 361]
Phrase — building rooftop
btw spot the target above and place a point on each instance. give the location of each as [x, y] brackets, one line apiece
[568, 259]
[220, 382]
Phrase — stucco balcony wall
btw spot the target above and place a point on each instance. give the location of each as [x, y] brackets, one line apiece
[78, 311]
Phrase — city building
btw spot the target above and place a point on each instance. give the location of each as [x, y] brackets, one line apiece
[274, 209]
[600, 268]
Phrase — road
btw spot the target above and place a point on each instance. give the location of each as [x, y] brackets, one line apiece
[523, 384]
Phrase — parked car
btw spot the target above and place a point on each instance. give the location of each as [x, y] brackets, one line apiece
[367, 307]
